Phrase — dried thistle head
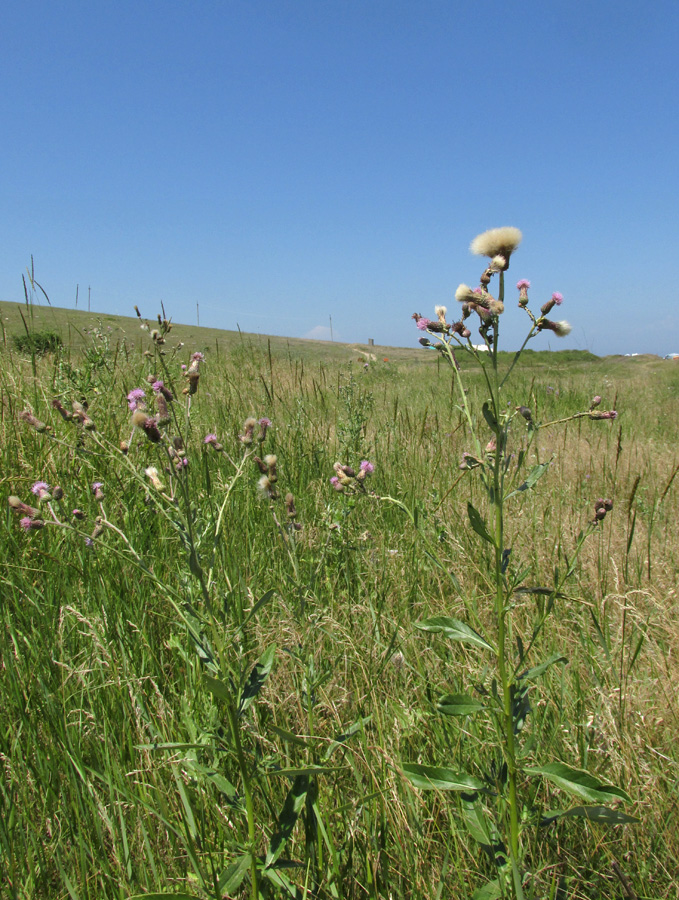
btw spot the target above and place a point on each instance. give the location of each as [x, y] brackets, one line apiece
[497, 242]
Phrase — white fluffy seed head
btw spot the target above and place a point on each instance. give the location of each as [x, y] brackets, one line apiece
[497, 242]
[561, 329]
[464, 293]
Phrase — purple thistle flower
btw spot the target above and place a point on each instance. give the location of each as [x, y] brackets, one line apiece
[29, 524]
[423, 323]
[523, 284]
[97, 491]
[40, 488]
[367, 467]
[134, 398]
[557, 298]
[197, 357]
[210, 438]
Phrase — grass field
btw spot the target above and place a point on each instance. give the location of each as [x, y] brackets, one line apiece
[193, 686]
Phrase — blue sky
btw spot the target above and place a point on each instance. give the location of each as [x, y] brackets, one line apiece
[281, 163]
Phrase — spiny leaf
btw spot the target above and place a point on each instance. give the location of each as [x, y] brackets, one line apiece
[454, 630]
[430, 778]
[288, 817]
[603, 814]
[232, 876]
[478, 524]
[580, 783]
[533, 476]
[258, 676]
[458, 705]
[536, 671]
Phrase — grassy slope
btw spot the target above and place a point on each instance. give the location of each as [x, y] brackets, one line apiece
[96, 664]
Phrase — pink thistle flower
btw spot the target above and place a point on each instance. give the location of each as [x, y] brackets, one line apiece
[197, 357]
[523, 284]
[159, 388]
[557, 298]
[97, 491]
[210, 438]
[135, 398]
[367, 467]
[40, 489]
[423, 324]
[29, 524]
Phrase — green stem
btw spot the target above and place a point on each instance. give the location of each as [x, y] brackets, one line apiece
[249, 805]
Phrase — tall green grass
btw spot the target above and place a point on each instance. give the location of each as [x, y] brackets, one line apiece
[119, 774]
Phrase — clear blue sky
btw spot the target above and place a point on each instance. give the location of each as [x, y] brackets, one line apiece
[283, 162]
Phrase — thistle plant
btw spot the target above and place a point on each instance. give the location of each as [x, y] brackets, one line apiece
[500, 805]
[189, 483]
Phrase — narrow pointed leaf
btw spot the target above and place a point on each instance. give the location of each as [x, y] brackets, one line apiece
[430, 778]
[454, 630]
[341, 739]
[489, 417]
[232, 876]
[580, 783]
[533, 476]
[458, 705]
[490, 891]
[478, 524]
[288, 817]
[603, 814]
[258, 676]
[536, 671]
[217, 687]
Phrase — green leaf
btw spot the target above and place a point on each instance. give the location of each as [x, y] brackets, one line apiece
[489, 417]
[344, 737]
[288, 817]
[580, 783]
[603, 814]
[478, 524]
[429, 778]
[288, 736]
[533, 476]
[458, 705]
[263, 600]
[232, 876]
[454, 630]
[220, 782]
[536, 671]
[217, 687]
[308, 770]
[483, 829]
[490, 891]
[164, 896]
[258, 676]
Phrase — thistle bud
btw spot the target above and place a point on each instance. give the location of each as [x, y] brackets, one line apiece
[271, 461]
[64, 413]
[264, 425]
[18, 505]
[58, 492]
[248, 431]
[28, 417]
[523, 286]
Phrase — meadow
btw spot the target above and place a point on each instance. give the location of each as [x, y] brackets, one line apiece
[205, 683]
